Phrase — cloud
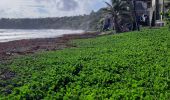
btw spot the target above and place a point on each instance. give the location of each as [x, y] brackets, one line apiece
[47, 8]
[67, 6]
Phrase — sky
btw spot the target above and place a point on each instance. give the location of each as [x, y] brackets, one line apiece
[47, 8]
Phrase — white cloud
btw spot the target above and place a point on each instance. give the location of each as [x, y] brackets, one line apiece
[47, 8]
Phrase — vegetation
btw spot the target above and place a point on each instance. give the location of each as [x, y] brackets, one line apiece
[167, 15]
[167, 4]
[132, 65]
[118, 9]
[85, 22]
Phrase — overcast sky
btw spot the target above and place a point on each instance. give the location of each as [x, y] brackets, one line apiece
[47, 8]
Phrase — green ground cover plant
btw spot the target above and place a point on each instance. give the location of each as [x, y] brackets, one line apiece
[131, 65]
[168, 18]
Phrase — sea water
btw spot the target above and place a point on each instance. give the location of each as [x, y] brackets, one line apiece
[7, 35]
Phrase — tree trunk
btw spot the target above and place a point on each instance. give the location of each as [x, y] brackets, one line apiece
[117, 26]
[157, 10]
[153, 19]
[163, 9]
[135, 23]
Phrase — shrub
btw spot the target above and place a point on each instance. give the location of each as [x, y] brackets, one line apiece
[168, 18]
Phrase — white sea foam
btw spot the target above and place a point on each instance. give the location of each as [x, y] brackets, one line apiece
[7, 35]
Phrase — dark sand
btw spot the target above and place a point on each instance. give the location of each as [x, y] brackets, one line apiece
[23, 47]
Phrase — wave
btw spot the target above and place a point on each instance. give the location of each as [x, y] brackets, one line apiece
[7, 35]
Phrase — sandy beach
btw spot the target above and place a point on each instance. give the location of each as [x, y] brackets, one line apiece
[23, 47]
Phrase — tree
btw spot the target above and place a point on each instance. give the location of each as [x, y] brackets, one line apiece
[117, 9]
[167, 16]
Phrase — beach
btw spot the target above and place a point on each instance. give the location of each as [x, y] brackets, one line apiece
[29, 46]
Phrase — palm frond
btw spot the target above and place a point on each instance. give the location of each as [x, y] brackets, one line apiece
[107, 10]
[109, 5]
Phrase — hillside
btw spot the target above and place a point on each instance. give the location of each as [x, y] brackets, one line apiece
[131, 65]
[84, 22]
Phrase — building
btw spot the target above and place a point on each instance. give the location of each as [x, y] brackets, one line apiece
[152, 8]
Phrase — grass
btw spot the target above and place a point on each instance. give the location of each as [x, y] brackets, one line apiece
[131, 65]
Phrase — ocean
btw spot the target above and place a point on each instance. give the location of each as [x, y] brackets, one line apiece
[7, 35]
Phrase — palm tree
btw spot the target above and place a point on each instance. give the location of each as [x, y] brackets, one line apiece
[166, 5]
[134, 13]
[117, 9]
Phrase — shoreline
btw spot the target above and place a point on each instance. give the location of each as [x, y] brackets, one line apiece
[30, 46]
